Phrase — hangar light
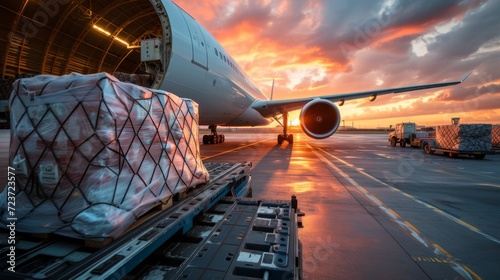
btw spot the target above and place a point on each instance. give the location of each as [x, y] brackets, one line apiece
[103, 31]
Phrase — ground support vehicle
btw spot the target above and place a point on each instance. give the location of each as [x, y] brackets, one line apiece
[211, 232]
[430, 146]
[406, 133]
[417, 139]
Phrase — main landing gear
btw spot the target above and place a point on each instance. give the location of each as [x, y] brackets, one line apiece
[213, 138]
[285, 136]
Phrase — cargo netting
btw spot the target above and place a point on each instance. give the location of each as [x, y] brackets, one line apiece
[144, 80]
[92, 154]
[464, 137]
[495, 136]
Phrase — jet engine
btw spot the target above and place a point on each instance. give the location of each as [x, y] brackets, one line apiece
[319, 118]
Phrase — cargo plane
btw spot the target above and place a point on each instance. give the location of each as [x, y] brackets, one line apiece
[198, 67]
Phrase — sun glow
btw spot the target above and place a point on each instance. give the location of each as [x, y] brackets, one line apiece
[295, 122]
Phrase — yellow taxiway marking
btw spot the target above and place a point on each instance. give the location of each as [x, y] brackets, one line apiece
[431, 259]
[477, 277]
[442, 250]
[412, 227]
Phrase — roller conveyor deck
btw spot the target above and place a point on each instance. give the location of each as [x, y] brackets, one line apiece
[211, 231]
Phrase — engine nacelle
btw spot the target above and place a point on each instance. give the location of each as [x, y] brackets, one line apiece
[319, 118]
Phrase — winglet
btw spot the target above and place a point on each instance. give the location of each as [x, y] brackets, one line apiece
[465, 77]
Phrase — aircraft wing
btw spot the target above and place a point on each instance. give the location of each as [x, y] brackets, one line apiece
[269, 108]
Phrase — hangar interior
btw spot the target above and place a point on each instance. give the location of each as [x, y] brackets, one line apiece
[84, 36]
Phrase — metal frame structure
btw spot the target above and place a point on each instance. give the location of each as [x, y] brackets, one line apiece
[58, 37]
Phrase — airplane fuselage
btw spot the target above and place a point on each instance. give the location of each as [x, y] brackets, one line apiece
[199, 68]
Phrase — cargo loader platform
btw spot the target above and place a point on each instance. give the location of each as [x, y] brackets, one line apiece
[212, 231]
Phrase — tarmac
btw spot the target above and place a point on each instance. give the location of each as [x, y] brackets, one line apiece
[373, 211]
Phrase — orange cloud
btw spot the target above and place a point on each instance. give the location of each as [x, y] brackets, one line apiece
[396, 33]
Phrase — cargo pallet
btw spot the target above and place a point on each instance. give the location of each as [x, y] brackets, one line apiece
[429, 147]
[214, 232]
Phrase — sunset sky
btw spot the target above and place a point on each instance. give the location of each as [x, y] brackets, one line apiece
[314, 48]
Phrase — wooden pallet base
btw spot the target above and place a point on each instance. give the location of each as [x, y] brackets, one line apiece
[165, 204]
[97, 244]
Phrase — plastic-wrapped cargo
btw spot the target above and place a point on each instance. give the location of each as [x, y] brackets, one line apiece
[495, 136]
[464, 137]
[144, 80]
[92, 154]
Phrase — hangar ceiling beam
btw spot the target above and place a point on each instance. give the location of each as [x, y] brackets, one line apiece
[119, 30]
[15, 24]
[81, 38]
[55, 32]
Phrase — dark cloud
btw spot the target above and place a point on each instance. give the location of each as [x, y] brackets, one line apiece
[344, 29]
[475, 30]
[348, 28]
[400, 46]
[467, 93]
[427, 13]
[421, 108]
[455, 52]
[283, 25]
[255, 13]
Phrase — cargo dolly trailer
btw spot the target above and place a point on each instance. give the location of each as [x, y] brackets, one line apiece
[461, 139]
[429, 146]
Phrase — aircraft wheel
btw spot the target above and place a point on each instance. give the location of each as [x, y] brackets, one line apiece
[280, 139]
[223, 138]
[427, 149]
[393, 141]
[290, 138]
[205, 139]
